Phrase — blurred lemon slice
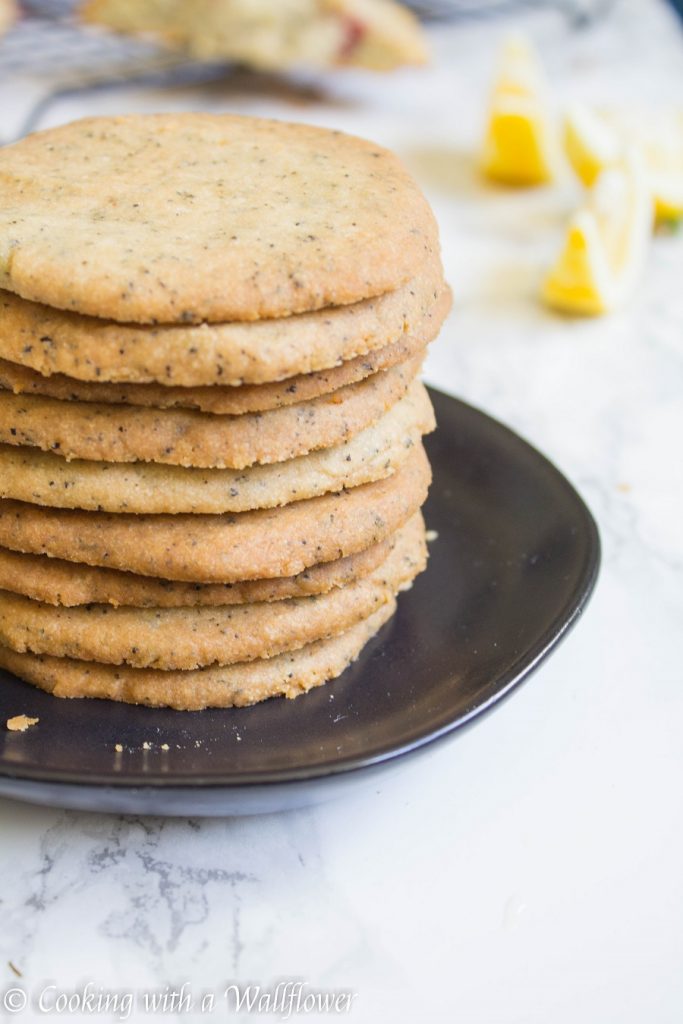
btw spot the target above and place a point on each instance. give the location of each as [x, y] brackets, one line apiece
[590, 142]
[661, 138]
[606, 242]
[594, 140]
[519, 146]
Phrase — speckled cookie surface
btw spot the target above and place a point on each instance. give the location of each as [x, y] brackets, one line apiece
[287, 675]
[85, 348]
[221, 399]
[27, 474]
[224, 548]
[54, 581]
[180, 218]
[189, 638]
[179, 437]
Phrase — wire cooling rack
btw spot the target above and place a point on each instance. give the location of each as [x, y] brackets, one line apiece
[60, 57]
[49, 40]
[49, 45]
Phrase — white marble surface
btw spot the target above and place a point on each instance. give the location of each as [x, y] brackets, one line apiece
[531, 870]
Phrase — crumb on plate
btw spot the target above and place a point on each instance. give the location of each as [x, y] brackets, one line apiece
[20, 723]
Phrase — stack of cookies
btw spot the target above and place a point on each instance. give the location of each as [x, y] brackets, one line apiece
[211, 467]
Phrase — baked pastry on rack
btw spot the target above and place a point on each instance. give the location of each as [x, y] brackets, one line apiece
[274, 35]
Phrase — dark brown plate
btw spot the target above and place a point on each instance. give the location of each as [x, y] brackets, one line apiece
[515, 561]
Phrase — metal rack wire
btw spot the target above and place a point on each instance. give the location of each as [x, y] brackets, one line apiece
[55, 43]
[577, 12]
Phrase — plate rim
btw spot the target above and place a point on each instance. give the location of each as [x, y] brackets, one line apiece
[505, 684]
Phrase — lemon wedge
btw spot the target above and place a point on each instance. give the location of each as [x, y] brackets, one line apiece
[520, 144]
[594, 140]
[606, 242]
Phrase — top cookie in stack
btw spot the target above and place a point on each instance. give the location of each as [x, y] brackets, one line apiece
[210, 333]
[191, 218]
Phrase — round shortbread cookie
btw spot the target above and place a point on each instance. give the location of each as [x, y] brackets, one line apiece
[287, 675]
[227, 548]
[220, 399]
[179, 437]
[54, 581]
[45, 479]
[230, 354]
[189, 638]
[180, 218]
